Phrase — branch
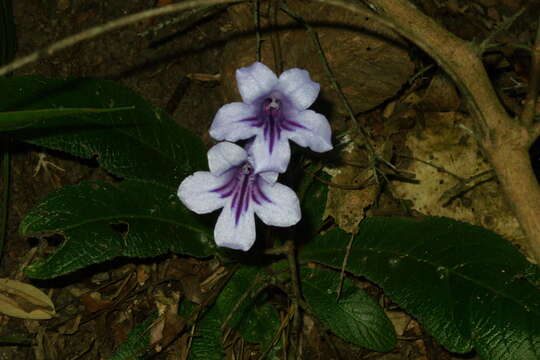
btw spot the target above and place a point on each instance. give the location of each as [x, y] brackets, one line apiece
[107, 27]
[529, 106]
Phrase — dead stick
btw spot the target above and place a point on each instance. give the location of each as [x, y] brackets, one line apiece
[107, 27]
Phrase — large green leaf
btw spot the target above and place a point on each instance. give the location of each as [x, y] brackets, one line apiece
[206, 344]
[137, 343]
[143, 143]
[24, 119]
[313, 205]
[467, 285]
[101, 221]
[356, 317]
[257, 321]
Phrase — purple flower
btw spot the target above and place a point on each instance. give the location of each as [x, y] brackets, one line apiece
[273, 111]
[234, 185]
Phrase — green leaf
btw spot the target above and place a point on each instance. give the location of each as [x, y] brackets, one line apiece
[356, 317]
[143, 143]
[206, 344]
[465, 284]
[17, 120]
[8, 39]
[255, 319]
[137, 342]
[313, 205]
[101, 221]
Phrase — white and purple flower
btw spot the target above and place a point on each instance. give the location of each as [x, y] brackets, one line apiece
[273, 111]
[235, 185]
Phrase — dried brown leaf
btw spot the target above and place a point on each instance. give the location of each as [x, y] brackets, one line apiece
[24, 301]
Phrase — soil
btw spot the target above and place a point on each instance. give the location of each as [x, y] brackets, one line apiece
[177, 71]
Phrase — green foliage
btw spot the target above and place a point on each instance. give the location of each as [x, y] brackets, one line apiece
[137, 343]
[313, 205]
[24, 119]
[256, 321]
[356, 317]
[143, 143]
[465, 284]
[101, 221]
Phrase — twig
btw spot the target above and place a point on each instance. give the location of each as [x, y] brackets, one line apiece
[257, 19]
[529, 105]
[297, 295]
[107, 27]
[436, 167]
[343, 266]
[330, 74]
[505, 25]
[275, 339]
[340, 186]
[464, 186]
[274, 36]
[185, 20]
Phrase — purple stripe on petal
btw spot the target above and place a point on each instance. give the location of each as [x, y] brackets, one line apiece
[255, 197]
[251, 119]
[290, 125]
[242, 198]
[257, 189]
[271, 125]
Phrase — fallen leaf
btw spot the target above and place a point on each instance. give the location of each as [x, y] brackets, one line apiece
[443, 143]
[24, 301]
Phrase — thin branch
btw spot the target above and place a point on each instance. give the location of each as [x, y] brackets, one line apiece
[330, 74]
[505, 25]
[107, 27]
[257, 19]
[340, 186]
[343, 266]
[529, 107]
[436, 167]
[466, 185]
[297, 295]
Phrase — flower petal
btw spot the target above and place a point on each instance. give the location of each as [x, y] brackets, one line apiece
[196, 194]
[255, 81]
[269, 176]
[224, 156]
[298, 87]
[238, 236]
[284, 208]
[316, 134]
[232, 122]
[263, 160]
